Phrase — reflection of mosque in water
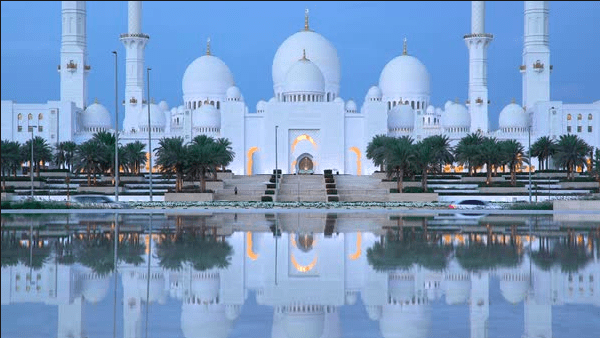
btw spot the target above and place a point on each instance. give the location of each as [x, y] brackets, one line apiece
[304, 267]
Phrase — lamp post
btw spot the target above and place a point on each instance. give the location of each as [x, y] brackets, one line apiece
[529, 158]
[116, 132]
[149, 131]
[31, 169]
[276, 167]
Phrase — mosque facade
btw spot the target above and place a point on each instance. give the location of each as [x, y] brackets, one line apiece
[305, 126]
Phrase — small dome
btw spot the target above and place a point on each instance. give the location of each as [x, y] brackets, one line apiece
[402, 289]
[457, 291]
[411, 321]
[304, 324]
[233, 93]
[351, 297]
[351, 106]
[260, 106]
[157, 117]
[514, 287]
[206, 76]
[374, 312]
[318, 49]
[304, 77]
[338, 100]
[96, 116]
[401, 117]
[374, 93]
[232, 311]
[204, 321]
[513, 116]
[455, 116]
[94, 286]
[404, 76]
[207, 116]
[163, 105]
[430, 110]
[157, 285]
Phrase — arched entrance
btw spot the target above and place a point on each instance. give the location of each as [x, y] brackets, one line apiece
[304, 164]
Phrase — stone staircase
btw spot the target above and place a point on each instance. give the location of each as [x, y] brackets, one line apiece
[361, 188]
[305, 188]
[250, 188]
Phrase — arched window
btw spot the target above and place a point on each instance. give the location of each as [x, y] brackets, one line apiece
[412, 104]
[579, 117]
[40, 116]
[418, 104]
[218, 105]
[30, 116]
[194, 105]
[568, 117]
[589, 116]
[20, 116]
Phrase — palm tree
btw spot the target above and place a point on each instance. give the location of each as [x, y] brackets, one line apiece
[106, 151]
[203, 157]
[69, 147]
[443, 150]
[86, 158]
[399, 155]
[467, 151]
[42, 152]
[543, 149]
[571, 151]
[489, 154]
[134, 156]
[10, 158]
[171, 157]
[376, 150]
[430, 155]
[227, 152]
[514, 153]
[596, 165]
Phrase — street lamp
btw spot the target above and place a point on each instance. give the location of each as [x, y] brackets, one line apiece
[116, 132]
[149, 131]
[31, 169]
[529, 158]
[276, 167]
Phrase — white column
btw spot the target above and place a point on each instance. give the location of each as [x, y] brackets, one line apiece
[73, 66]
[135, 44]
[479, 308]
[478, 42]
[536, 54]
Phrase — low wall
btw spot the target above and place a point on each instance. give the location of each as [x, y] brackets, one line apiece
[25, 184]
[574, 208]
[188, 197]
[224, 176]
[103, 190]
[579, 185]
[502, 190]
[211, 185]
[406, 197]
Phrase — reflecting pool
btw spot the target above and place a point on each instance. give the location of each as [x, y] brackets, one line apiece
[300, 275]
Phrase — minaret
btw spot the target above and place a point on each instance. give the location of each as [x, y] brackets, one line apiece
[135, 43]
[536, 54]
[478, 42]
[73, 66]
[479, 308]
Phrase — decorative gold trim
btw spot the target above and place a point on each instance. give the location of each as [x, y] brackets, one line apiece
[133, 100]
[208, 46]
[538, 65]
[522, 67]
[87, 67]
[71, 65]
[306, 20]
[479, 100]
[404, 48]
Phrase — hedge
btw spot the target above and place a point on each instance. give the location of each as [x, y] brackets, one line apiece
[266, 199]
[332, 192]
[269, 192]
[330, 186]
[333, 198]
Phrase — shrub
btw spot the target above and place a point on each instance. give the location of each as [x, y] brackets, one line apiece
[266, 199]
[330, 186]
[329, 180]
[271, 186]
[532, 206]
[415, 190]
[328, 172]
[269, 192]
[332, 192]
[328, 176]
[333, 198]
[272, 180]
[393, 190]
[278, 171]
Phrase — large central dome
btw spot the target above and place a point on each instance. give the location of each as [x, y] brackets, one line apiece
[404, 76]
[321, 53]
[206, 76]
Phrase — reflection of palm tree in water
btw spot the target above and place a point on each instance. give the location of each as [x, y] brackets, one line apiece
[565, 252]
[33, 255]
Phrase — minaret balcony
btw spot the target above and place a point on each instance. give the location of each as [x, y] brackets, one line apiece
[87, 68]
[133, 100]
[479, 100]
[479, 35]
[134, 35]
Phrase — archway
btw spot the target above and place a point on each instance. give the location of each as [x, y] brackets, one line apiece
[305, 164]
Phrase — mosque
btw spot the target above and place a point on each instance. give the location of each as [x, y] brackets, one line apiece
[305, 121]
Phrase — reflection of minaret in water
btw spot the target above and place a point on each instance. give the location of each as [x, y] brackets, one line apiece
[479, 307]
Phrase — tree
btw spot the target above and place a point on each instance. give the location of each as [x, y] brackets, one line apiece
[543, 149]
[226, 152]
[376, 150]
[106, 151]
[399, 155]
[571, 152]
[443, 150]
[42, 152]
[133, 156]
[64, 153]
[467, 151]
[86, 159]
[10, 158]
[430, 155]
[171, 157]
[490, 155]
[514, 153]
[596, 164]
[204, 156]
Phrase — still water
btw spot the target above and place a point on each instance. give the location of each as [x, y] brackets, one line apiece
[300, 275]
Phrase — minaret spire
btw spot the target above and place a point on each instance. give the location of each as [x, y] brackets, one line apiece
[404, 50]
[306, 20]
[208, 46]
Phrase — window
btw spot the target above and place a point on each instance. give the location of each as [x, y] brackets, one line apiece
[20, 116]
[579, 129]
[30, 116]
[589, 129]
[568, 129]
[41, 128]
[579, 117]
[20, 128]
[30, 129]
[40, 116]
[590, 117]
[568, 117]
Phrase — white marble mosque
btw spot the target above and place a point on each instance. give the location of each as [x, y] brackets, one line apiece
[305, 280]
[314, 125]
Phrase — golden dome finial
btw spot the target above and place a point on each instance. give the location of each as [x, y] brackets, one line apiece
[513, 100]
[96, 100]
[306, 20]
[304, 55]
[456, 100]
[208, 46]
[405, 50]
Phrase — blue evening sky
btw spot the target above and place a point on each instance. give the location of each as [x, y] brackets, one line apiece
[246, 35]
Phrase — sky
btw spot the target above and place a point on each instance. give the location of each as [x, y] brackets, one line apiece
[246, 35]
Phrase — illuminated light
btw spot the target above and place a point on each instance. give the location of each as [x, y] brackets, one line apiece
[292, 169]
[304, 268]
[253, 256]
[293, 239]
[147, 241]
[358, 161]
[358, 252]
[303, 137]
[251, 152]
[447, 238]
